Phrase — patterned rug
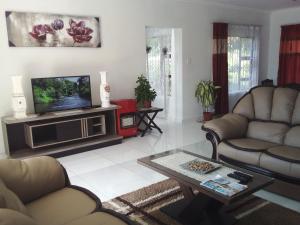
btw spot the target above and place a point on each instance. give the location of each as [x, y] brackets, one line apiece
[143, 207]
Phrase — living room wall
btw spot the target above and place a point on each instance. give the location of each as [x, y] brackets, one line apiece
[277, 19]
[123, 52]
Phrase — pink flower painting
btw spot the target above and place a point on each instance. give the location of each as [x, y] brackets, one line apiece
[57, 24]
[40, 31]
[79, 32]
[29, 29]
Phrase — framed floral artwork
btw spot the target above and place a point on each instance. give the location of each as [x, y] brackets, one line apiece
[27, 29]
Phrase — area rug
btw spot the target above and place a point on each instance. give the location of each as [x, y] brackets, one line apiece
[142, 206]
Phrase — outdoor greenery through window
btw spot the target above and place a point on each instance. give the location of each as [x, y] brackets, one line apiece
[243, 52]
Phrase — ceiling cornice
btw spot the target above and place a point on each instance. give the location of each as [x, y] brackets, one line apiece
[231, 6]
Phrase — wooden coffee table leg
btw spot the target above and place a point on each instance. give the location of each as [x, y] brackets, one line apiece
[187, 192]
[197, 209]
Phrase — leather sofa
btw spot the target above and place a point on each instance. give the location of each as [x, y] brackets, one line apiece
[261, 134]
[37, 191]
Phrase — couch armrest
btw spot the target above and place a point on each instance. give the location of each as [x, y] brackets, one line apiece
[34, 177]
[227, 127]
[11, 217]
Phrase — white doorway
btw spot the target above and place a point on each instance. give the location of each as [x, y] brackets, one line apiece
[163, 69]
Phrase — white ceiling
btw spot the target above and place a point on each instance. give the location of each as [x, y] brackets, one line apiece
[260, 4]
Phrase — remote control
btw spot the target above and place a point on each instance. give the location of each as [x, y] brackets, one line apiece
[242, 180]
[243, 175]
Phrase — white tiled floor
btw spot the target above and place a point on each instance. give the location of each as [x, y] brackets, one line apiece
[113, 171]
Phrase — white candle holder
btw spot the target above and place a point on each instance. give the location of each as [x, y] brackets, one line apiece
[104, 90]
[18, 99]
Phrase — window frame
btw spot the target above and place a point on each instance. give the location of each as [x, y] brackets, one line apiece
[242, 58]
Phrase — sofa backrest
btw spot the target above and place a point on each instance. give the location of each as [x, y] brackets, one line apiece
[270, 104]
[274, 114]
[32, 178]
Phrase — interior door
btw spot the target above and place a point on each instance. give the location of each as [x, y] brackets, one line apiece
[159, 65]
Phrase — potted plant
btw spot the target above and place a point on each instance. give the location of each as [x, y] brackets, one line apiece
[143, 92]
[206, 94]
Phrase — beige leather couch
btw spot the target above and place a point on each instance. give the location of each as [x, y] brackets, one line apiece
[262, 133]
[37, 191]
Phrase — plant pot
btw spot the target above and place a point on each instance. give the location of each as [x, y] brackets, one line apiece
[147, 104]
[207, 116]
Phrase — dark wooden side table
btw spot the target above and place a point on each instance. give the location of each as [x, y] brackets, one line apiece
[145, 117]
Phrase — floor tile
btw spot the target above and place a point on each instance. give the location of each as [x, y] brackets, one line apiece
[89, 165]
[112, 171]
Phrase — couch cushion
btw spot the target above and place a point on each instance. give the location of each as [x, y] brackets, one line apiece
[98, 218]
[10, 200]
[262, 101]
[267, 131]
[61, 207]
[296, 114]
[282, 159]
[286, 153]
[249, 144]
[283, 104]
[12, 217]
[245, 107]
[33, 177]
[245, 150]
[292, 138]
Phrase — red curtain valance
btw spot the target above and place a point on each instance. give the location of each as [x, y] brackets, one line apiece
[289, 55]
[220, 31]
[290, 47]
[290, 32]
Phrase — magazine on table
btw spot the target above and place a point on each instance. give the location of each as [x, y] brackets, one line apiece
[223, 185]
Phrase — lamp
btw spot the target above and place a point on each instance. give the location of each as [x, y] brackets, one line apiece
[18, 99]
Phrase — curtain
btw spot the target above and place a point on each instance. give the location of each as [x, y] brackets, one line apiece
[160, 65]
[289, 55]
[220, 66]
[243, 60]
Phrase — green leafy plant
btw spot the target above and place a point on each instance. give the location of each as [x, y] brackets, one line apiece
[206, 94]
[144, 91]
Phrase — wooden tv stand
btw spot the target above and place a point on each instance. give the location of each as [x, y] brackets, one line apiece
[60, 134]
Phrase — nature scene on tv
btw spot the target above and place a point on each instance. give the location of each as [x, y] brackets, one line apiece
[56, 94]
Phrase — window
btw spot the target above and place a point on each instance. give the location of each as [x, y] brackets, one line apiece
[243, 52]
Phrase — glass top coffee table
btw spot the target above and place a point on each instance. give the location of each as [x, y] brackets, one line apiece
[207, 206]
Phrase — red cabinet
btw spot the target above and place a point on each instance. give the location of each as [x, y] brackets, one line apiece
[126, 117]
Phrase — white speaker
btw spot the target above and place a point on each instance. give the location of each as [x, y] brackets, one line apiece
[18, 99]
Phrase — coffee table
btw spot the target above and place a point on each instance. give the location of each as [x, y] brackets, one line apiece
[207, 206]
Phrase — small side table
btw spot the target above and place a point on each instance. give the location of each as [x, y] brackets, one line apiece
[148, 120]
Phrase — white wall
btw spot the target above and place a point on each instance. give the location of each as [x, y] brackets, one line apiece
[123, 52]
[277, 19]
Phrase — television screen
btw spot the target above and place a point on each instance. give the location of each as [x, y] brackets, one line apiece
[61, 93]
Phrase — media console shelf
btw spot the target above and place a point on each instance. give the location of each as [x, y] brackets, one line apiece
[60, 134]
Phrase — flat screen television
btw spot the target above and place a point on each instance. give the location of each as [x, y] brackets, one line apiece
[61, 93]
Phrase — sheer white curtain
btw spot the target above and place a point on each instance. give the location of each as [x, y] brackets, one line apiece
[159, 40]
[243, 60]
[159, 64]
